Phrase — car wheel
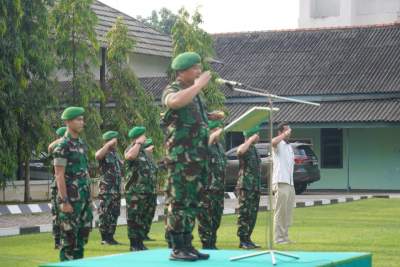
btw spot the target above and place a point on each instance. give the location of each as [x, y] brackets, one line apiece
[300, 188]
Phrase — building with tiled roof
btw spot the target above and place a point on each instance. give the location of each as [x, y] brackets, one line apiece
[151, 54]
[353, 72]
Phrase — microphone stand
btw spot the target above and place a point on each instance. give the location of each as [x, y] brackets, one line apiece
[270, 233]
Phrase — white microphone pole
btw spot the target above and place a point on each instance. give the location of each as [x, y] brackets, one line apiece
[270, 98]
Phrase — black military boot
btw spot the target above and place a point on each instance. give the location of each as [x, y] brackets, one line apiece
[245, 244]
[179, 253]
[189, 247]
[135, 245]
[57, 242]
[213, 241]
[168, 239]
[142, 246]
[111, 240]
[252, 243]
[104, 239]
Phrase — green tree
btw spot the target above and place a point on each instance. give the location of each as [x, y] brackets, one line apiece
[29, 90]
[132, 105]
[162, 20]
[77, 53]
[188, 36]
[11, 79]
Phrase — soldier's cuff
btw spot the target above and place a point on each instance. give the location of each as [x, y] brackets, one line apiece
[166, 98]
[60, 162]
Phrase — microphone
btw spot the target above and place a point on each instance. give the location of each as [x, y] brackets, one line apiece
[228, 83]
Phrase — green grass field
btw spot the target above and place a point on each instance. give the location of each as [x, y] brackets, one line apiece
[362, 226]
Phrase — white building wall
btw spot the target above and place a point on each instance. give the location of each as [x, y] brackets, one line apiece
[142, 65]
[334, 13]
[375, 11]
[149, 65]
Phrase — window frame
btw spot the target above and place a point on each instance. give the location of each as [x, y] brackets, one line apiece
[330, 133]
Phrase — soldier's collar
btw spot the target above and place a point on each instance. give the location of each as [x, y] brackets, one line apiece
[69, 136]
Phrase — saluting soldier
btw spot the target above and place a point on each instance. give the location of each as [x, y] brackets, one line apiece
[248, 187]
[54, 192]
[187, 149]
[213, 201]
[139, 188]
[72, 175]
[110, 165]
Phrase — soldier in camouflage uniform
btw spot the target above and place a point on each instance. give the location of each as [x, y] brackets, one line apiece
[186, 155]
[139, 188]
[213, 202]
[248, 187]
[54, 192]
[110, 165]
[72, 176]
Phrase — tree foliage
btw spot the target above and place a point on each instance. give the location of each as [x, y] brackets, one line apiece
[11, 80]
[162, 20]
[77, 52]
[27, 92]
[132, 106]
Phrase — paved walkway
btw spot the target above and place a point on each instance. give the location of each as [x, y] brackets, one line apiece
[30, 222]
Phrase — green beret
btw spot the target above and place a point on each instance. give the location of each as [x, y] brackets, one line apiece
[136, 132]
[252, 131]
[185, 60]
[149, 142]
[71, 113]
[214, 124]
[110, 135]
[61, 131]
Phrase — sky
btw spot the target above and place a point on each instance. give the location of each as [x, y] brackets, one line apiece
[223, 15]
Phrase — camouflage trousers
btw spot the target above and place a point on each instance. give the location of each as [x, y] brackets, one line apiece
[151, 212]
[166, 204]
[248, 207]
[209, 216]
[137, 209]
[75, 228]
[109, 211]
[185, 186]
[55, 212]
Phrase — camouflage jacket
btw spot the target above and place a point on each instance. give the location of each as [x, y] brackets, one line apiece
[50, 158]
[111, 173]
[72, 154]
[139, 174]
[217, 164]
[249, 170]
[187, 129]
[155, 170]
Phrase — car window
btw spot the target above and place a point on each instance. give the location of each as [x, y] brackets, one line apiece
[232, 157]
[231, 154]
[263, 153]
[262, 150]
[304, 151]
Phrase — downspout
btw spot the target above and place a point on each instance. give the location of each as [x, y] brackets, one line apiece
[348, 158]
[103, 52]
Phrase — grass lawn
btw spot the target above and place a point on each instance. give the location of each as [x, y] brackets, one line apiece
[362, 226]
